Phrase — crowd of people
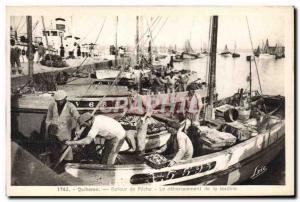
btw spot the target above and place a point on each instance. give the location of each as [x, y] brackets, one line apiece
[18, 54]
[163, 80]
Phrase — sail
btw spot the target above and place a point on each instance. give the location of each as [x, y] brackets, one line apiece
[226, 49]
[266, 48]
[258, 50]
[188, 47]
[234, 47]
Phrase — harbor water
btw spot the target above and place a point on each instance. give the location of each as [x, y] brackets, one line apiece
[231, 75]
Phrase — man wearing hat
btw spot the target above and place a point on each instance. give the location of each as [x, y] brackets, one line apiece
[106, 128]
[193, 106]
[180, 144]
[183, 146]
[61, 120]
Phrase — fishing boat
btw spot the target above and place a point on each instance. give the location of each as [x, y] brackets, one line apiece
[234, 54]
[279, 52]
[266, 51]
[188, 52]
[245, 159]
[233, 165]
[225, 52]
[257, 52]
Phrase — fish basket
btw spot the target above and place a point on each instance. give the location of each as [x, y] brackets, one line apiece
[156, 161]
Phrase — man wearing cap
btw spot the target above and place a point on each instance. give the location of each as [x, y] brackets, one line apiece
[180, 144]
[193, 106]
[106, 128]
[62, 117]
[183, 147]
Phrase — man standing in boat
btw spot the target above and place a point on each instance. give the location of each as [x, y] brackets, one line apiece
[106, 128]
[60, 122]
[193, 106]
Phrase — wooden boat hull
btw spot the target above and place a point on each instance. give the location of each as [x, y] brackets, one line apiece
[265, 56]
[225, 54]
[236, 55]
[189, 55]
[238, 163]
[279, 56]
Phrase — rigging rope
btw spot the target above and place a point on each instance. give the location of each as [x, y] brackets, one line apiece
[17, 27]
[22, 26]
[254, 56]
[161, 27]
[155, 23]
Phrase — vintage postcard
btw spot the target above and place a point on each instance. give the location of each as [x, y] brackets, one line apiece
[150, 101]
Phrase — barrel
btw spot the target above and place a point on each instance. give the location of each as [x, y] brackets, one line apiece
[231, 115]
[243, 114]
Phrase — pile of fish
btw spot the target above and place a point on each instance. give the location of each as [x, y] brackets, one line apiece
[154, 127]
[156, 161]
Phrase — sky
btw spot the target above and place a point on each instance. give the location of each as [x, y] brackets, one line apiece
[168, 31]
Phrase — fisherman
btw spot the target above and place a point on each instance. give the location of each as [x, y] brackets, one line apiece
[183, 146]
[136, 139]
[61, 120]
[41, 52]
[15, 53]
[183, 80]
[171, 81]
[106, 128]
[158, 83]
[193, 106]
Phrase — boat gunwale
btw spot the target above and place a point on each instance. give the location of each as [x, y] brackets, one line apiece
[179, 165]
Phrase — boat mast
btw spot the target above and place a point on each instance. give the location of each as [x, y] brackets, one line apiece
[150, 52]
[137, 40]
[30, 46]
[212, 69]
[249, 58]
[116, 43]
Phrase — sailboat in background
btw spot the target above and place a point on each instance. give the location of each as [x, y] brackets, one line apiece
[235, 54]
[257, 51]
[279, 52]
[188, 52]
[265, 53]
[225, 52]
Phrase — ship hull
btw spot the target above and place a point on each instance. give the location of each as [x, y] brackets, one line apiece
[225, 54]
[248, 169]
[189, 55]
[246, 160]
